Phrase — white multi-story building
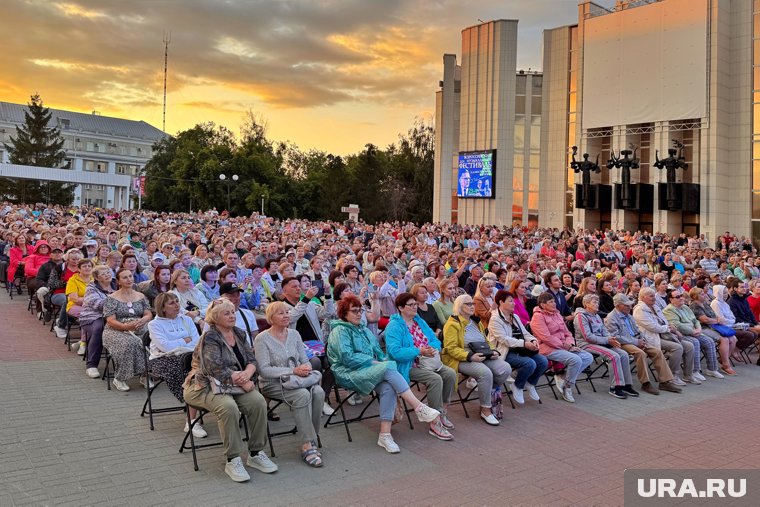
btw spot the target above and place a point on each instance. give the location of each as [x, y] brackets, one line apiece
[647, 73]
[103, 154]
[642, 74]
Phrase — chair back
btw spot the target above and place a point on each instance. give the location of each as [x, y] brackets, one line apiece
[186, 360]
[146, 340]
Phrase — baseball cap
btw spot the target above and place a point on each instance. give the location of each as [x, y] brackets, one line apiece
[57, 249]
[91, 242]
[158, 256]
[622, 299]
[228, 287]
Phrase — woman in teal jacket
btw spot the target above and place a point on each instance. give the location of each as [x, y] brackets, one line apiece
[417, 352]
[360, 365]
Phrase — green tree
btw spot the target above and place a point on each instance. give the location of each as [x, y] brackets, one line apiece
[36, 144]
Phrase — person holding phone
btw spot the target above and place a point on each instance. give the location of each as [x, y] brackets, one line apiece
[463, 334]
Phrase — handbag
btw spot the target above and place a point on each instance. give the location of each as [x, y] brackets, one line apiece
[432, 363]
[293, 381]
[723, 330]
[481, 348]
[399, 413]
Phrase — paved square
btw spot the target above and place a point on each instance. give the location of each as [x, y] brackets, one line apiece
[66, 440]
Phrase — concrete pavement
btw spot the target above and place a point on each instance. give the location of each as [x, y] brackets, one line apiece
[66, 440]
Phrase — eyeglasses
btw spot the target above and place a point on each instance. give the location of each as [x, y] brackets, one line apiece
[469, 304]
[680, 296]
[411, 305]
[355, 311]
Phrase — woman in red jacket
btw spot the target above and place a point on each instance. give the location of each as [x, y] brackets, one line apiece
[33, 262]
[18, 254]
[556, 343]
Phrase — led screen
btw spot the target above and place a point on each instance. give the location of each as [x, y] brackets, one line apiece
[475, 174]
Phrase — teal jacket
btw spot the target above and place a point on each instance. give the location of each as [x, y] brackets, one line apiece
[400, 344]
[351, 350]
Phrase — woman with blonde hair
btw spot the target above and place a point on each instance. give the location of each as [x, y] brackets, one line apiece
[484, 298]
[224, 358]
[444, 306]
[280, 353]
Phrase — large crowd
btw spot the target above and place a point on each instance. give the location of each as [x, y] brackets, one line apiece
[241, 310]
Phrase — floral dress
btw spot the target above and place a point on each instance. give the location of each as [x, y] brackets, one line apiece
[125, 346]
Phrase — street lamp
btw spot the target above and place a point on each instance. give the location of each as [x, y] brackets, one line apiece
[262, 204]
[223, 177]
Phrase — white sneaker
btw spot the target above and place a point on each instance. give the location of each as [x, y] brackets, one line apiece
[567, 394]
[517, 394]
[150, 384]
[262, 463]
[678, 381]
[236, 470]
[560, 381]
[426, 414]
[698, 375]
[692, 380]
[532, 392]
[82, 348]
[356, 399]
[198, 431]
[490, 419]
[92, 372]
[471, 383]
[715, 374]
[327, 409]
[119, 385]
[59, 332]
[385, 440]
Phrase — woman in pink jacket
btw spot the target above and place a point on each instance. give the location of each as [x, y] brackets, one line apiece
[33, 262]
[18, 255]
[556, 343]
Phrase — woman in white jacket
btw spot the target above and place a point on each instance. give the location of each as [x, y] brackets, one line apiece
[726, 317]
[517, 346]
[171, 335]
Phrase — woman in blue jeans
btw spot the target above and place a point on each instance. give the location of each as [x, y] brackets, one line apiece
[360, 365]
[517, 346]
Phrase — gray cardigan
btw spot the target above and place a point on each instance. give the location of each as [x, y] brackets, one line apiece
[276, 358]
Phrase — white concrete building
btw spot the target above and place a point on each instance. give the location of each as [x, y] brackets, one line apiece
[103, 154]
[486, 104]
[647, 73]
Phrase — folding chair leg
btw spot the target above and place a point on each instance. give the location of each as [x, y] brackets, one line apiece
[342, 413]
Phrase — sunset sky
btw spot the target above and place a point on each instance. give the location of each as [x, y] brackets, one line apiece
[326, 74]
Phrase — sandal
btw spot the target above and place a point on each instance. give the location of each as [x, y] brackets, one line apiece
[312, 457]
[728, 370]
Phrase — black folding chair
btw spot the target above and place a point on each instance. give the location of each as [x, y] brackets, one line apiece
[148, 405]
[187, 360]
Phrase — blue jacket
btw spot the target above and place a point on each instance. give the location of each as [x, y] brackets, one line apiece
[352, 351]
[399, 343]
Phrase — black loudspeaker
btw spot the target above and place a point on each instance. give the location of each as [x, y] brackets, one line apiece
[645, 195]
[690, 197]
[592, 199]
[604, 198]
[641, 195]
[662, 199]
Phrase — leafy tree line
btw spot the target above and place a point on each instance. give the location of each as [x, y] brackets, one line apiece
[395, 183]
[36, 143]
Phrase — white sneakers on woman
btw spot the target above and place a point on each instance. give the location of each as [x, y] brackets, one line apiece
[92, 372]
[120, 385]
[198, 431]
[385, 440]
[426, 414]
[532, 392]
[235, 469]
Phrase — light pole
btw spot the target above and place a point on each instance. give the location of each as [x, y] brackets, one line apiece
[223, 177]
[262, 204]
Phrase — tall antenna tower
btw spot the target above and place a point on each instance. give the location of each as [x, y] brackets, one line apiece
[167, 40]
